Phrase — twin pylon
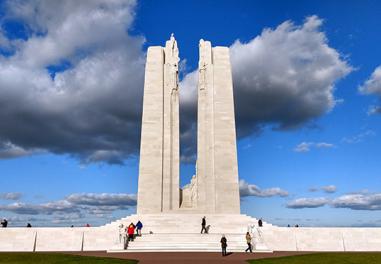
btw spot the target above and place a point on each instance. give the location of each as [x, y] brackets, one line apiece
[214, 188]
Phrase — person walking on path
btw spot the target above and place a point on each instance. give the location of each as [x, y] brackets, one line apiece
[260, 223]
[224, 245]
[203, 225]
[248, 241]
[139, 227]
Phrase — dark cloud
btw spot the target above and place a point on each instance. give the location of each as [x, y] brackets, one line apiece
[246, 189]
[93, 109]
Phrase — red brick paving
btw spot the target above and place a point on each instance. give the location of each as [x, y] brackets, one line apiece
[188, 257]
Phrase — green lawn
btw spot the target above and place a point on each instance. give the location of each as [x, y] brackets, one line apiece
[325, 258]
[54, 258]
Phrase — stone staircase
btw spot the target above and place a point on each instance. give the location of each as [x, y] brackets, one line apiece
[181, 232]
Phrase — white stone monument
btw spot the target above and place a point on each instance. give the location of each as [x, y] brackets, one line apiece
[214, 188]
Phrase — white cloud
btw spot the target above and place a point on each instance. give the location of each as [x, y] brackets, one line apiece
[286, 75]
[307, 203]
[359, 201]
[359, 137]
[374, 109]
[329, 188]
[83, 203]
[246, 189]
[36, 209]
[103, 199]
[10, 196]
[307, 146]
[355, 201]
[373, 86]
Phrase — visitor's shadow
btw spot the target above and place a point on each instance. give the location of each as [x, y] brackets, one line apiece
[229, 253]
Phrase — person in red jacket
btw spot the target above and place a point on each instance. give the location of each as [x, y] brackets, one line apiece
[131, 232]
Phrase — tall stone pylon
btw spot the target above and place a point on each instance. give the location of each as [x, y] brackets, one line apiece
[217, 167]
[158, 189]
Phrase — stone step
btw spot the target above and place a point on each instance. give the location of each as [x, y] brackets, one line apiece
[179, 249]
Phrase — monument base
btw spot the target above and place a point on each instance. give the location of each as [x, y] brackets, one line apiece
[182, 232]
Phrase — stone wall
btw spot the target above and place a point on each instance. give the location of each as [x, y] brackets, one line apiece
[107, 237]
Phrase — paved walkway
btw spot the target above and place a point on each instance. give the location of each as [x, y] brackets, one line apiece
[188, 257]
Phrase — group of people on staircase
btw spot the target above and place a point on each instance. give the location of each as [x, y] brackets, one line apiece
[127, 233]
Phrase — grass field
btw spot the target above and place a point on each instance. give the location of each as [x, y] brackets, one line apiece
[44, 258]
[325, 258]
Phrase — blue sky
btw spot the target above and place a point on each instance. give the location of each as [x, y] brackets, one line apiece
[307, 98]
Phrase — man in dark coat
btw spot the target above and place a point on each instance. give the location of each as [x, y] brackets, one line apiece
[203, 225]
[139, 227]
[224, 245]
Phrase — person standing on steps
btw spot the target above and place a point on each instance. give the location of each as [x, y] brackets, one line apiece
[224, 245]
[203, 225]
[131, 232]
[121, 231]
[139, 227]
[248, 241]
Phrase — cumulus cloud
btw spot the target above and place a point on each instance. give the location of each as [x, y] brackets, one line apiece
[77, 79]
[373, 86]
[307, 146]
[84, 203]
[74, 86]
[359, 201]
[285, 78]
[307, 203]
[10, 196]
[354, 201]
[246, 189]
[36, 209]
[103, 199]
[329, 188]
